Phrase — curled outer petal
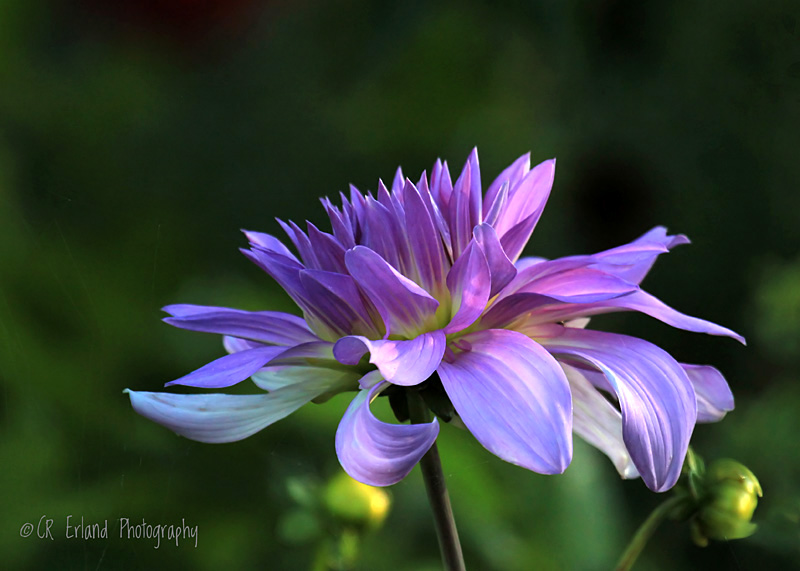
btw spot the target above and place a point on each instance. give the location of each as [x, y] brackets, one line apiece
[658, 403]
[714, 396]
[598, 422]
[375, 452]
[401, 362]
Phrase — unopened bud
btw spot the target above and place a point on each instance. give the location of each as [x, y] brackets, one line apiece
[731, 496]
[355, 503]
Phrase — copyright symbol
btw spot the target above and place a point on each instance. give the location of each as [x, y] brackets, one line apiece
[26, 530]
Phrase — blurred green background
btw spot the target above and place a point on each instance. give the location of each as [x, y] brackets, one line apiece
[138, 137]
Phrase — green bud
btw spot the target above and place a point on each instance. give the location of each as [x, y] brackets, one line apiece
[355, 503]
[731, 496]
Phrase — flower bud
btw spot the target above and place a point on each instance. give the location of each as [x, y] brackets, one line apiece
[731, 497]
[355, 503]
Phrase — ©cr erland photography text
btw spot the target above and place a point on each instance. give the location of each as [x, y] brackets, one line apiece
[78, 527]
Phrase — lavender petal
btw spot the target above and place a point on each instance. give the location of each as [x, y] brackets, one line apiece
[404, 306]
[230, 369]
[465, 205]
[513, 397]
[270, 327]
[511, 176]
[375, 452]
[217, 418]
[469, 283]
[501, 269]
[425, 241]
[336, 299]
[523, 208]
[596, 421]
[401, 362]
[714, 396]
[658, 402]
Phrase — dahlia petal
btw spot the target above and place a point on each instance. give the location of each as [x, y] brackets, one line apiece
[518, 308]
[652, 306]
[330, 253]
[465, 204]
[535, 309]
[404, 305]
[714, 396]
[501, 269]
[498, 206]
[348, 211]
[658, 402]
[307, 253]
[580, 322]
[265, 326]
[269, 243]
[401, 362]
[384, 197]
[274, 378]
[340, 224]
[509, 177]
[336, 298]
[315, 353]
[398, 181]
[527, 262]
[629, 262]
[283, 269]
[597, 421]
[375, 452]
[230, 369]
[312, 354]
[524, 206]
[441, 185]
[370, 379]
[532, 269]
[632, 261]
[382, 233]
[516, 238]
[435, 212]
[514, 398]
[235, 344]
[217, 418]
[469, 282]
[358, 203]
[580, 285]
[425, 241]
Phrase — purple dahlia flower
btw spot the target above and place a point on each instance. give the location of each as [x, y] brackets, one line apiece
[424, 283]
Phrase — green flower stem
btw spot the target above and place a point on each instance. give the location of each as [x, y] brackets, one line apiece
[645, 532]
[438, 497]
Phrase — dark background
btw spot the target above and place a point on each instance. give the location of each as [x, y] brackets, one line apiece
[137, 138]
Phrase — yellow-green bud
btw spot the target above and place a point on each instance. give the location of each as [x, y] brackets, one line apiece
[732, 493]
[355, 503]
